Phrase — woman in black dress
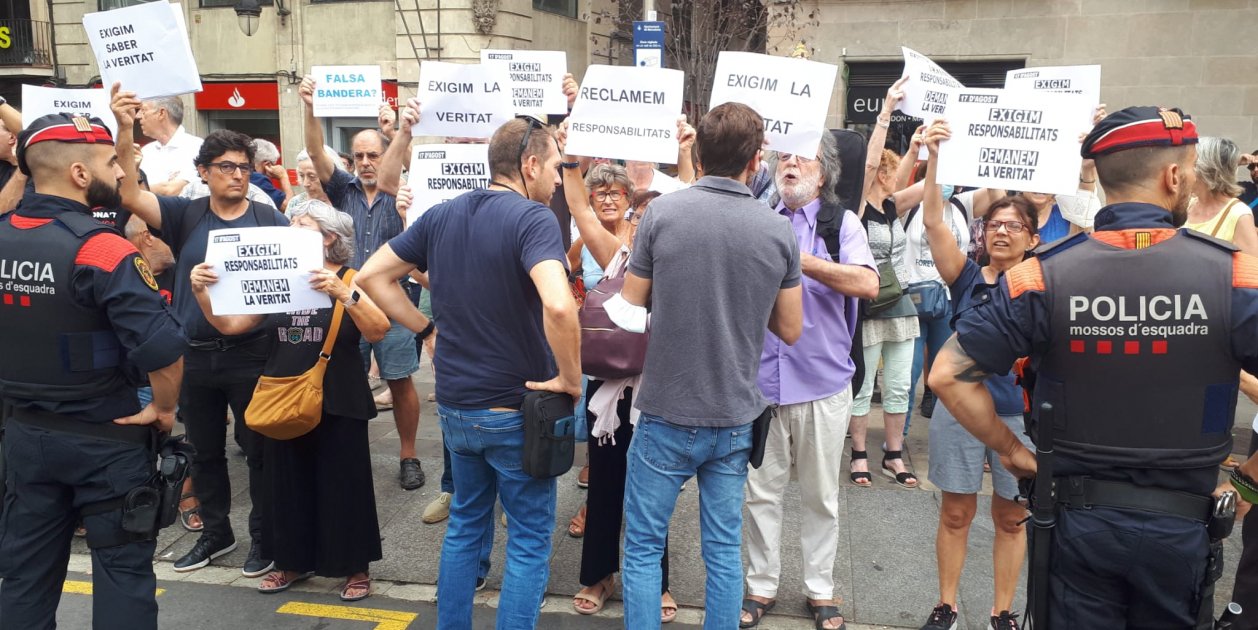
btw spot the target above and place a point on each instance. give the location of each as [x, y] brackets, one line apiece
[322, 519]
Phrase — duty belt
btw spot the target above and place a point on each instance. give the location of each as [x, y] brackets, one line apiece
[141, 435]
[222, 344]
[1084, 493]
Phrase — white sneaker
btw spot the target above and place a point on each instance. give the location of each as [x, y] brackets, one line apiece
[438, 510]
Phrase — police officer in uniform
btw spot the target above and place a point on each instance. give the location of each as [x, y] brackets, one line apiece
[80, 322]
[1138, 333]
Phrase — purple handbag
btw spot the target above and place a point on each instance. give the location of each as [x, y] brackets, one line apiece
[609, 352]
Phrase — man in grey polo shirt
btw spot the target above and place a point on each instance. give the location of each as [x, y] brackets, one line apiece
[717, 267]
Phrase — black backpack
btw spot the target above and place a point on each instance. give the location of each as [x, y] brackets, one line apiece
[199, 207]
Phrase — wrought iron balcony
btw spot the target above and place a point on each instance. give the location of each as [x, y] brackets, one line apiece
[25, 43]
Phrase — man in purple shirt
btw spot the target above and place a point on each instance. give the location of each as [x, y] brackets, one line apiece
[811, 384]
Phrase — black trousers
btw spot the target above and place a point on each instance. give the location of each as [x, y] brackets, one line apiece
[1245, 592]
[51, 476]
[213, 381]
[605, 501]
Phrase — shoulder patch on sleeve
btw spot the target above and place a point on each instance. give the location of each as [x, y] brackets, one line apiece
[1026, 276]
[104, 251]
[1244, 271]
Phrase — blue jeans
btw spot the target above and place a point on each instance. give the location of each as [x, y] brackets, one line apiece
[485, 452]
[662, 456]
[934, 335]
[447, 485]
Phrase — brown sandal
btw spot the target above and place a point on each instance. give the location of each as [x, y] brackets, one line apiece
[364, 584]
[576, 526]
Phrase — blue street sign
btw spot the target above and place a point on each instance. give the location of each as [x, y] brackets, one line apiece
[648, 44]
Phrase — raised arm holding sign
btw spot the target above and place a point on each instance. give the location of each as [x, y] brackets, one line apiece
[627, 112]
[793, 95]
[145, 48]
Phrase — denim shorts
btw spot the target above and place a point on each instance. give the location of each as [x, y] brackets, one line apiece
[395, 354]
[956, 457]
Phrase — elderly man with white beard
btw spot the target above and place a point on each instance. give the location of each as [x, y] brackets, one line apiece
[811, 382]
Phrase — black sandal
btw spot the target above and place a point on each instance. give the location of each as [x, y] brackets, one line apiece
[858, 477]
[756, 610]
[906, 479]
[821, 614]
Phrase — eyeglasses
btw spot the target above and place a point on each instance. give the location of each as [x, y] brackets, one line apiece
[1012, 227]
[802, 158]
[370, 155]
[614, 195]
[1252, 166]
[229, 168]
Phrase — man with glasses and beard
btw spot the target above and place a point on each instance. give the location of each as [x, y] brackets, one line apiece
[810, 382]
[376, 220]
[1143, 394]
[81, 318]
[221, 371]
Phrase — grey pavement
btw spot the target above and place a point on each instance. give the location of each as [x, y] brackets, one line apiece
[885, 570]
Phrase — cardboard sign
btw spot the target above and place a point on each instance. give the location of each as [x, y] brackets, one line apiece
[145, 48]
[463, 100]
[347, 91]
[1013, 140]
[793, 95]
[926, 92]
[441, 172]
[1083, 80]
[264, 270]
[40, 101]
[535, 77]
[628, 113]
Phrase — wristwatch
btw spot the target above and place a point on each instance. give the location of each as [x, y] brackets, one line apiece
[353, 299]
[570, 164]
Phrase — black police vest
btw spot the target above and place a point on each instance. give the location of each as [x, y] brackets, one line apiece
[1140, 369]
[56, 350]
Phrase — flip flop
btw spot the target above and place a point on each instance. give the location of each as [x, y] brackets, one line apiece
[280, 584]
[576, 526]
[668, 611]
[364, 584]
[757, 611]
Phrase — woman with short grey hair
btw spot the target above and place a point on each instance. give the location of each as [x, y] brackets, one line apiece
[1215, 210]
[321, 519]
[331, 222]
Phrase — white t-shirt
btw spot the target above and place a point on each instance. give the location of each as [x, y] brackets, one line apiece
[918, 259]
[172, 160]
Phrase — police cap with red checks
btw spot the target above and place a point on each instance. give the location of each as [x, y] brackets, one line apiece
[60, 128]
[1140, 127]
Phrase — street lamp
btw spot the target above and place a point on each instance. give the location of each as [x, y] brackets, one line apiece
[249, 14]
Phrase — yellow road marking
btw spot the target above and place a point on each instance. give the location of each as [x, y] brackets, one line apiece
[384, 619]
[85, 588]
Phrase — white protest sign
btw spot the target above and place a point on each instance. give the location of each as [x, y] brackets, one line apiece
[347, 91]
[1013, 140]
[628, 113]
[1084, 80]
[145, 48]
[464, 100]
[40, 101]
[793, 95]
[535, 77]
[926, 92]
[441, 172]
[264, 270]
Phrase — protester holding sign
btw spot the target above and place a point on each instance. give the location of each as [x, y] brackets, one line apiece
[890, 320]
[376, 220]
[956, 457]
[321, 524]
[219, 372]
